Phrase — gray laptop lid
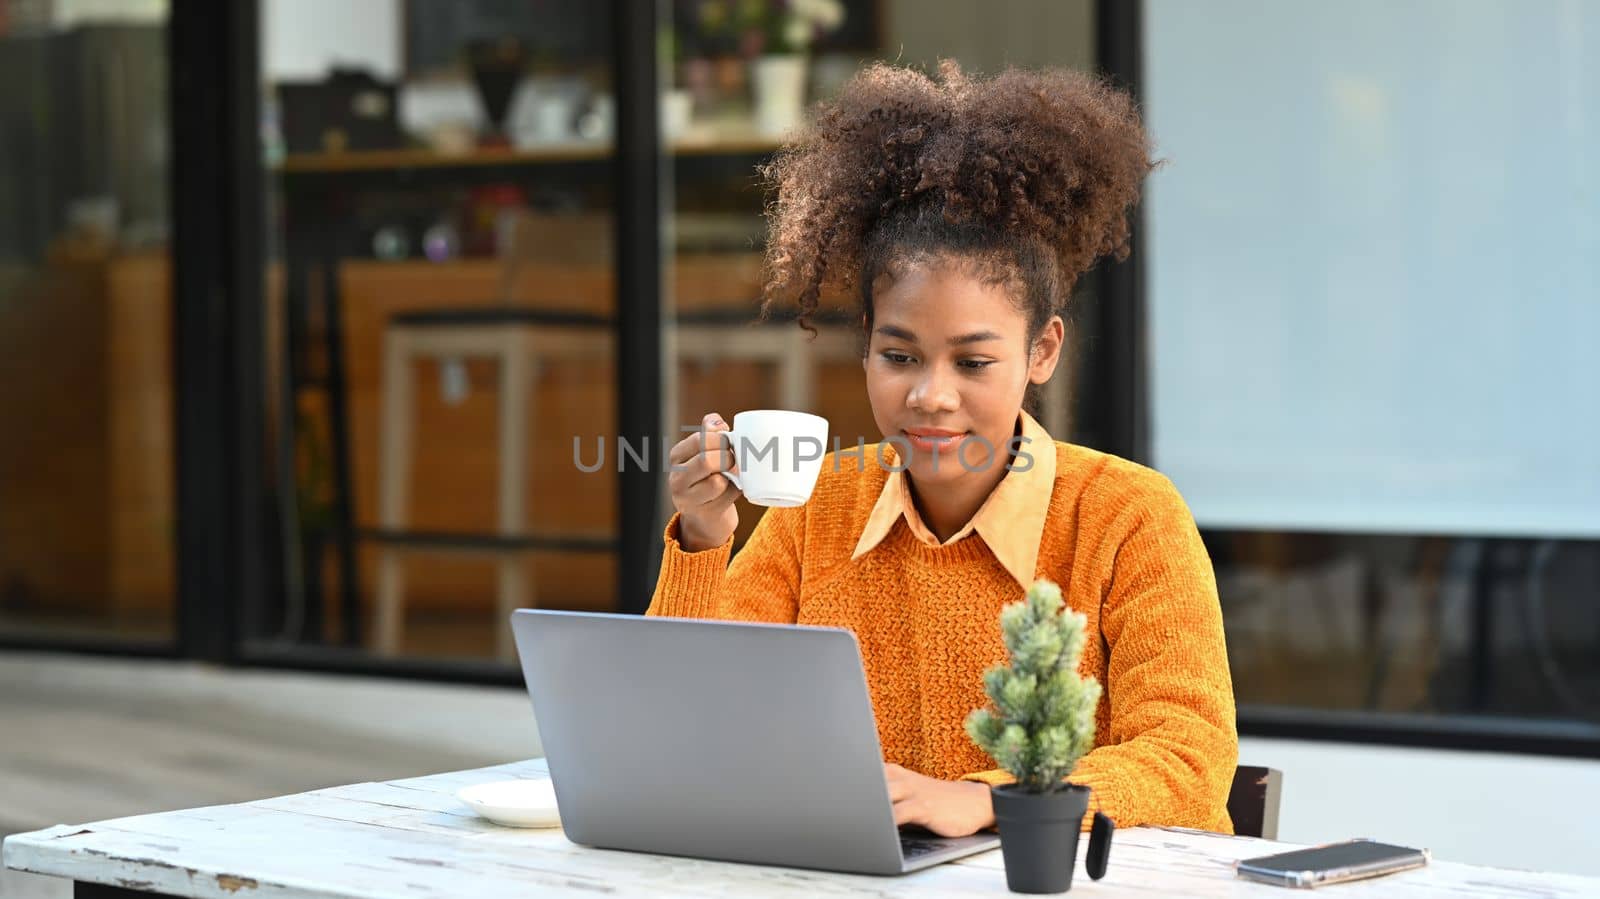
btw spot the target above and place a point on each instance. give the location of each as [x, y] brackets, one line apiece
[709, 739]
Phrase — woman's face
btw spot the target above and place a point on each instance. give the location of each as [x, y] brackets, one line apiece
[947, 368]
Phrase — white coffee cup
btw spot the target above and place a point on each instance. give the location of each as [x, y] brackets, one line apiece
[779, 455]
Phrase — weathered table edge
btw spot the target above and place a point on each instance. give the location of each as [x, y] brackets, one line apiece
[99, 874]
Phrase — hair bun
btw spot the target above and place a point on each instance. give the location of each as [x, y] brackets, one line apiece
[1053, 155]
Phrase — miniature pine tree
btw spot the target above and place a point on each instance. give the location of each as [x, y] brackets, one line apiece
[1043, 716]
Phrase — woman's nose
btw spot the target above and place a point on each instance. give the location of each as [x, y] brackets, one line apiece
[934, 392]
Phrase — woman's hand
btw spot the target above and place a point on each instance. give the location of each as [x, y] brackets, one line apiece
[949, 808]
[702, 496]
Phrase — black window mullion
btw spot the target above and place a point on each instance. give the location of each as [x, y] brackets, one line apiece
[1119, 367]
[638, 278]
[216, 295]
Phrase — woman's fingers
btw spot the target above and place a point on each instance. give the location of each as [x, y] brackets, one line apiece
[684, 450]
[697, 486]
[948, 808]
[696, 480]
[708, 490]
[703, 450]
[910, 811]
[716, 451]
[898, 780]
[703, 497]
[690, 445]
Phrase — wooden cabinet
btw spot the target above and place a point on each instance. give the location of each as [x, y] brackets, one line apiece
[453, 480]
[86, 461]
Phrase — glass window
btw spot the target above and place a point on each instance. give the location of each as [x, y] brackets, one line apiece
[86, 392]
[1374, 253]
[441, 306]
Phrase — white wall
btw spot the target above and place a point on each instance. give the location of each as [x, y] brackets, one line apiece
[1374, 254]
[1505, 811]
[301, 39]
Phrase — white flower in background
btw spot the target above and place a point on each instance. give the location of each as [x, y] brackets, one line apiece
[827, 14]
[798, 32]
[808, 18]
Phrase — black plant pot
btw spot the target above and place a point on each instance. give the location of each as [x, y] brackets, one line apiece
[1039, 838]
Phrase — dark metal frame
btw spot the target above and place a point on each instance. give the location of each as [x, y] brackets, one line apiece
[1118, 367]
[312, 207]
[225, 535]
[1488, 733]
[217, 297]
[216, 302]
[639, 171]
[216, 197]
[313, 203]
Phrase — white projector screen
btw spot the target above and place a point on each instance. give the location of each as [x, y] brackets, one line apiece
[1374, 263]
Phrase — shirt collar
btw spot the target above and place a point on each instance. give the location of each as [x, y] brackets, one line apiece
[1010, 521]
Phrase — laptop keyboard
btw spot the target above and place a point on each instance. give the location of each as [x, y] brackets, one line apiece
[915, 847]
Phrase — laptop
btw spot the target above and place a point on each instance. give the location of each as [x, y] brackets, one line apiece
[718, 740]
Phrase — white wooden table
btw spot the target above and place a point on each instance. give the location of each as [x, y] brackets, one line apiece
[411, 838]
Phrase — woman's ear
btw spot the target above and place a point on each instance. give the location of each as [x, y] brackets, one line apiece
[1046, 351]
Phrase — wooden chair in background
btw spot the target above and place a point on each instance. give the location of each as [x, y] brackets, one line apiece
[521, 339]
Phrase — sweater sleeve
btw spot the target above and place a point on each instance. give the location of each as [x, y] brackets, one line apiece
[761, 584]
[1173, 740]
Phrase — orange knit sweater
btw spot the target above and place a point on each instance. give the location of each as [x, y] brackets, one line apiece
[1124, 548]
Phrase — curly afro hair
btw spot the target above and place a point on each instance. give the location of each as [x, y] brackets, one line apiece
[1025, 178]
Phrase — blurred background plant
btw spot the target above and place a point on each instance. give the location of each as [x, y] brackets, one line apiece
[732, 54]
[751, 28]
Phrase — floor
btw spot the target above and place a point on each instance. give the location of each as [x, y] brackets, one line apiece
[85, 739]
[429, 634]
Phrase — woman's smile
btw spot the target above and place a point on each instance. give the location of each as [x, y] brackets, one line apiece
[933, 440]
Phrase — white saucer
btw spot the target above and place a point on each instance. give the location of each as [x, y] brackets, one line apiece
[514, 803]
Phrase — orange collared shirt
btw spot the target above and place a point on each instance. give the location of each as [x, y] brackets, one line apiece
[1010, 522]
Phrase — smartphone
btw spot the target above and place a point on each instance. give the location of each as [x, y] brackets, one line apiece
[1331, 863]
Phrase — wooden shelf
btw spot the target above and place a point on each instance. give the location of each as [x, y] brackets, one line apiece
[577, 151]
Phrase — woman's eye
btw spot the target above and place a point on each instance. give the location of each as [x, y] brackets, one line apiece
[976, 364]
[897, 358]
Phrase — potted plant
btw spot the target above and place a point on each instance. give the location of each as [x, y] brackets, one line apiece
[1041, 723]
[781, 37]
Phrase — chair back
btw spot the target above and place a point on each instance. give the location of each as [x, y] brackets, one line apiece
[1253, 801]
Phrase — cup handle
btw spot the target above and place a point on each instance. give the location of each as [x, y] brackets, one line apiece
[1099, 854]
[729, 435]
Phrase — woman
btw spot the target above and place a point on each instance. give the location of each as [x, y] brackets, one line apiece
[965, 210]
